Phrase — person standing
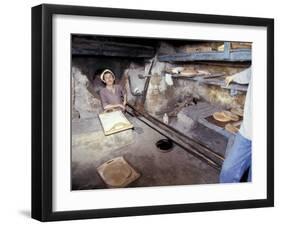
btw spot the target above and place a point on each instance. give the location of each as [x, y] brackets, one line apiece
[239, 158]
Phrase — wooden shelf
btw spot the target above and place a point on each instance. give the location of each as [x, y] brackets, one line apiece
[228, 55]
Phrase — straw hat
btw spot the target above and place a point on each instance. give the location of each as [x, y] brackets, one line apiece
[104, 72]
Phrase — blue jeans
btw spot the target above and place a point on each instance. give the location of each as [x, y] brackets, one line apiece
[238, 161]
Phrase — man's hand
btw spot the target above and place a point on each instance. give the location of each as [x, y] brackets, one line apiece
[114, 107]
[122, 106]
[228, 80]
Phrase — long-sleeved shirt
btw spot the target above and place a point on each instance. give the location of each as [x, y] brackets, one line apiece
[245, 77]
[108, 97]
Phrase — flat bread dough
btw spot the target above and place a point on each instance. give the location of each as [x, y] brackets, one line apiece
[231, 116]
[231, 128]
[238, 111]
[219, 116]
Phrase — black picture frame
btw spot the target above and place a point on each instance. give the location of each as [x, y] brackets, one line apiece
[42, 107]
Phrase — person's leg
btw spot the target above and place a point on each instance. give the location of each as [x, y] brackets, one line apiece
[237, 161]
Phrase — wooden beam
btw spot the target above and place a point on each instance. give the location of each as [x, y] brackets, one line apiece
[240, 55]
[109, 48]
[214, 81]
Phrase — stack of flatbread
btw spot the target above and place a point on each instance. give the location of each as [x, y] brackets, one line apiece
[237, 110]
[231, 128]
[232, 116]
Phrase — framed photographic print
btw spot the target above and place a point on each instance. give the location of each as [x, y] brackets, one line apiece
[145, 112]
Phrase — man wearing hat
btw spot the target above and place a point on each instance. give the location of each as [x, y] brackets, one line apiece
[113, 96]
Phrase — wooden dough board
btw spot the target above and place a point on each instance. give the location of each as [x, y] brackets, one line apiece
[113, 122]
[117, 173]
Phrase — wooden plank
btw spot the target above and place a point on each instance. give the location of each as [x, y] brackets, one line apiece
[226, 64]
[233, 56]
[99, 48]
[226, 49]
[241, 45]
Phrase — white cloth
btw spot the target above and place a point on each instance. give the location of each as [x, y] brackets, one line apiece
[245, 77]
[169, 80]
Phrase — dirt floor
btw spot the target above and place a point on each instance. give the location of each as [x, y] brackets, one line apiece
[90, 149]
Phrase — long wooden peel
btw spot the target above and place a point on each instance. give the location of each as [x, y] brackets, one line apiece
[214, 76]
[197, 149]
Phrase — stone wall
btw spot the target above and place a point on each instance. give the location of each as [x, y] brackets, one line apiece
[84, 104]
[131, 74]
[162, 98]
